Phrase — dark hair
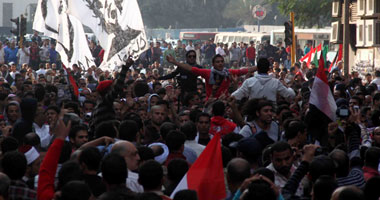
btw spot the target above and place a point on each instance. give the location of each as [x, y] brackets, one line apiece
[371, 189]
[293, 127]
[14, 165]
[372, 157]
[69, 171]
[145, 153]
[238, 170]
[106, 128]
[75, 190]
[175, 140]
[218, 108]
[342, 162]
[135, 117]
[91, 157]
[215, 57]
[89, 102]
[9, 144]
[75, 129]
[166, 127]
[263, 65]
[128, 130]
[177, 168]
[114, 169]
[324, 186]
[186, 195]
[190, 130]
[141, 88]
[191, 51]
[202, 114]
[321, 165]
[265, 172]
[73, 105]
[150, 175]
[55, 108]
[280, 147]
[260, 189]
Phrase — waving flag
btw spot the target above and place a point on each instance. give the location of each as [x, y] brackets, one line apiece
[117, 24]
[206, 175]
[338, 57]
[52, 20]
[311, 55]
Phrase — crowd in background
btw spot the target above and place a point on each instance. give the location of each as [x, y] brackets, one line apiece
[134, 133]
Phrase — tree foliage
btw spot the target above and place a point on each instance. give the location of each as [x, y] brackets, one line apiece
[308, 13]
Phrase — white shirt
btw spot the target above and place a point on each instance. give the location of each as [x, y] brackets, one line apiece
[22, 56]
[44, 54]
[192, 144]
[280, 180]
[220, 51]
[132, 182]
[43, 133]
[41, 71]
[188, 48]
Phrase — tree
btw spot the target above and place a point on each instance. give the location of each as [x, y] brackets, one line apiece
[308, 13]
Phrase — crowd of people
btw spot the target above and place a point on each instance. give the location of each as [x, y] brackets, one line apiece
[134, 133]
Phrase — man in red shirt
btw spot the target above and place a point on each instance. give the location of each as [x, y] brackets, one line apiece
[217, 78]
[251, 53]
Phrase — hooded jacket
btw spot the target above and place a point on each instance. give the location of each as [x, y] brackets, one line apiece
[263, 86]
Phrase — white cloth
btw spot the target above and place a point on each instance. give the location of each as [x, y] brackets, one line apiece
[192, 144]
[188, 48]
[220, 51]
[377, 82]
[43, 133]
[261, 86]
[44, 53]
[197, 137]
[23, 58]
[41, 71]
[132, 182]
[161, 158]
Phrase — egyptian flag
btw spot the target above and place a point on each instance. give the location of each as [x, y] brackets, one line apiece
[206, 175]
[72, 82]
[312, 53]
[338, 57]
[322, 106]
[307, 57]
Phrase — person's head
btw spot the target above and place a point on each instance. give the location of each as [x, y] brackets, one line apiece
[190, 130]
[114, 169]
[159, 114]
[218, 108]
[348, 193]
[263, 66]
[183, 118]
[13, 111]
[282, 157]
[78, 135]
[324, 187]
[128, 130]
[203, 121]
[218, 62]
[371, 189]
[151, 176]
[75, 190]
[186, 195]
[295, 132]
[321, 165]
[238, 170]
[108, 128]
[88, 106]
[259, 189]
[376, 136]
[129, 152]
[342, 162]
[89, 159]
[191, 57]
[372, 157]
[14, 165]
[52, 114]
[175, 141]
[264, 112]
[177, 168]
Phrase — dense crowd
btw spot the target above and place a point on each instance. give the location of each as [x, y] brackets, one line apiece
[134, 133]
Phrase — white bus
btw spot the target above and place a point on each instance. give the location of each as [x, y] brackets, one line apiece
[246, 37]
[304, 36]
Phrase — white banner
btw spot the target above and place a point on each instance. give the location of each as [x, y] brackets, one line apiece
[117, 24]
[52, 20]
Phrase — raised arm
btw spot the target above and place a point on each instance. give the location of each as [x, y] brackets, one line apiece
[184, 66]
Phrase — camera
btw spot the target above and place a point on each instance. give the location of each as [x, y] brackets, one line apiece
[343, 111]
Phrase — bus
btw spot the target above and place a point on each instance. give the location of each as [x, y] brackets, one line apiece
[196, 37]
[246, 37]
[304, 36]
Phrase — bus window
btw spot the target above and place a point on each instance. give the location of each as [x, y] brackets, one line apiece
[246, 40]
[238, 39]
[224, 39]
[231, 39]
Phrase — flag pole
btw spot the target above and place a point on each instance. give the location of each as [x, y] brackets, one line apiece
[346, 38]
[293, 51]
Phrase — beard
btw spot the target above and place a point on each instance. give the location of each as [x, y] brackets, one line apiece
[284, 170]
